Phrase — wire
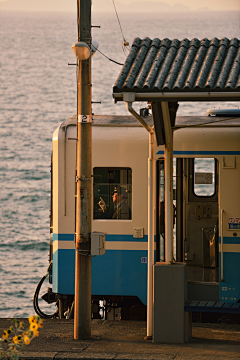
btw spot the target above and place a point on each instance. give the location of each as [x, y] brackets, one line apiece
[118, 19]
[35, 298]
[107, 56]
[125, 43]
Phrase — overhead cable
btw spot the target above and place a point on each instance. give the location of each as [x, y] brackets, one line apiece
[107, 57]
[125, 43]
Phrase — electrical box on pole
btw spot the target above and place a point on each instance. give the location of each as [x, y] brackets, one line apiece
[97, 243]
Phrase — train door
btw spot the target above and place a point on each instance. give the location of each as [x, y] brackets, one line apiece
[200, 217]
[195, 208]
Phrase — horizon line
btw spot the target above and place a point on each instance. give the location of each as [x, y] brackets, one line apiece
[110, 11]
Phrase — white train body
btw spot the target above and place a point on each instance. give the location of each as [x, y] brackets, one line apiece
[202, 224]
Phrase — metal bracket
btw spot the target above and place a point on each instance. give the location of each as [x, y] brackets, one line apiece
[81, 179]
[231, 159]
[128, 97]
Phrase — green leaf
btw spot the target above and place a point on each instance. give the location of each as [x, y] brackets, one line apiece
[15, 357]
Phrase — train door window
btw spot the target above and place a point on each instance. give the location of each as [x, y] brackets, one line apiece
[160, 246]
[112, 191]
[160, 214]
[204, 177]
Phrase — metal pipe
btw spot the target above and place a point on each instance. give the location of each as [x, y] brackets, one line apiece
[151, 217]
[221, 223]
[151, 208]
[168, 154]
[65, 171]
[138, 117]
[181, 96]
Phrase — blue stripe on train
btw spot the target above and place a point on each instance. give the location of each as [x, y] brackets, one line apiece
[120, 273]
[161, 152]
[63, 272]
[230, 240]
[230, 287]
[70, 237]
[63, 237]
[117, 272]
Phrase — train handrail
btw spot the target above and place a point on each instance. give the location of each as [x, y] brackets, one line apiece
[221, 221]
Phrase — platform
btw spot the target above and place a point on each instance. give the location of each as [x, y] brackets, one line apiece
[212, 307]
[125, 340]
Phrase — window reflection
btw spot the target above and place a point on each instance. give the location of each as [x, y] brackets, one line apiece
[112, 193]
[204, 176]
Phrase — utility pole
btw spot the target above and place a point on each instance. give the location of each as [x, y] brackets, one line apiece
[82, 304]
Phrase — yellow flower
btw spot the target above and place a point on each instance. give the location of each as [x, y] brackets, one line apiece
[5, 335]
[36, 333]
[15, 340]
[40, 323]
[26, 340]
[32, 319]
[33, 326]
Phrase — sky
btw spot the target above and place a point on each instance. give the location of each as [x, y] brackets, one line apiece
[123, 5]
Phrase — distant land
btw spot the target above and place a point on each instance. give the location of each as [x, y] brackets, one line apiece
[98, 6]
[131, 6]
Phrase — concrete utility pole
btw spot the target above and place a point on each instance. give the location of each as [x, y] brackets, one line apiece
[82, 309]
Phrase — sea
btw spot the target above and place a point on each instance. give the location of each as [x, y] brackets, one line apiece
[37, 92]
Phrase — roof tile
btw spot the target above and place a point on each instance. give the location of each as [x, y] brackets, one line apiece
[186, 65]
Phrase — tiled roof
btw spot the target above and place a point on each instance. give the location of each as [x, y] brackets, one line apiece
[181, 66]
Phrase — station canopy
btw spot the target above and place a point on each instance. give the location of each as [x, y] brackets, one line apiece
[181, 70]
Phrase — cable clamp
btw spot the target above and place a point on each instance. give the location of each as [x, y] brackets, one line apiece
[81, 179]
[88, 254]
[84, 84]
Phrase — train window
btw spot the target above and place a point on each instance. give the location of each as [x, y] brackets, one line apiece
[204, 177]
[112, 192]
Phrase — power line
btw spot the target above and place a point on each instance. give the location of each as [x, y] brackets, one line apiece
[125, 43]
[107, 56]
[118, 20]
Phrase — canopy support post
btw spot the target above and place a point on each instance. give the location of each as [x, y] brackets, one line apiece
[168, 155]
[129, 98]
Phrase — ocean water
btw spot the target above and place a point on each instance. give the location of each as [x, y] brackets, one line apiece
[37, 92]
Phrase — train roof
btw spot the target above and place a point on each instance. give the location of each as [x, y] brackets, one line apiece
[181, 121]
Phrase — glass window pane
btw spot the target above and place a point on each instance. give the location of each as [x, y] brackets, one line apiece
[112, 191]
[204, 176]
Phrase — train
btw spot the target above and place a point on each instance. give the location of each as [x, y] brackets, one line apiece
[206, 204]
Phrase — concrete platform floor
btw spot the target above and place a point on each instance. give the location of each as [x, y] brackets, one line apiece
[125, 340]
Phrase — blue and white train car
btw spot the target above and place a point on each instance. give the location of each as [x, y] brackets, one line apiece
[206, 210]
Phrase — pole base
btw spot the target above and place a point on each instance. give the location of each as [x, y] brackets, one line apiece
[148, 338]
